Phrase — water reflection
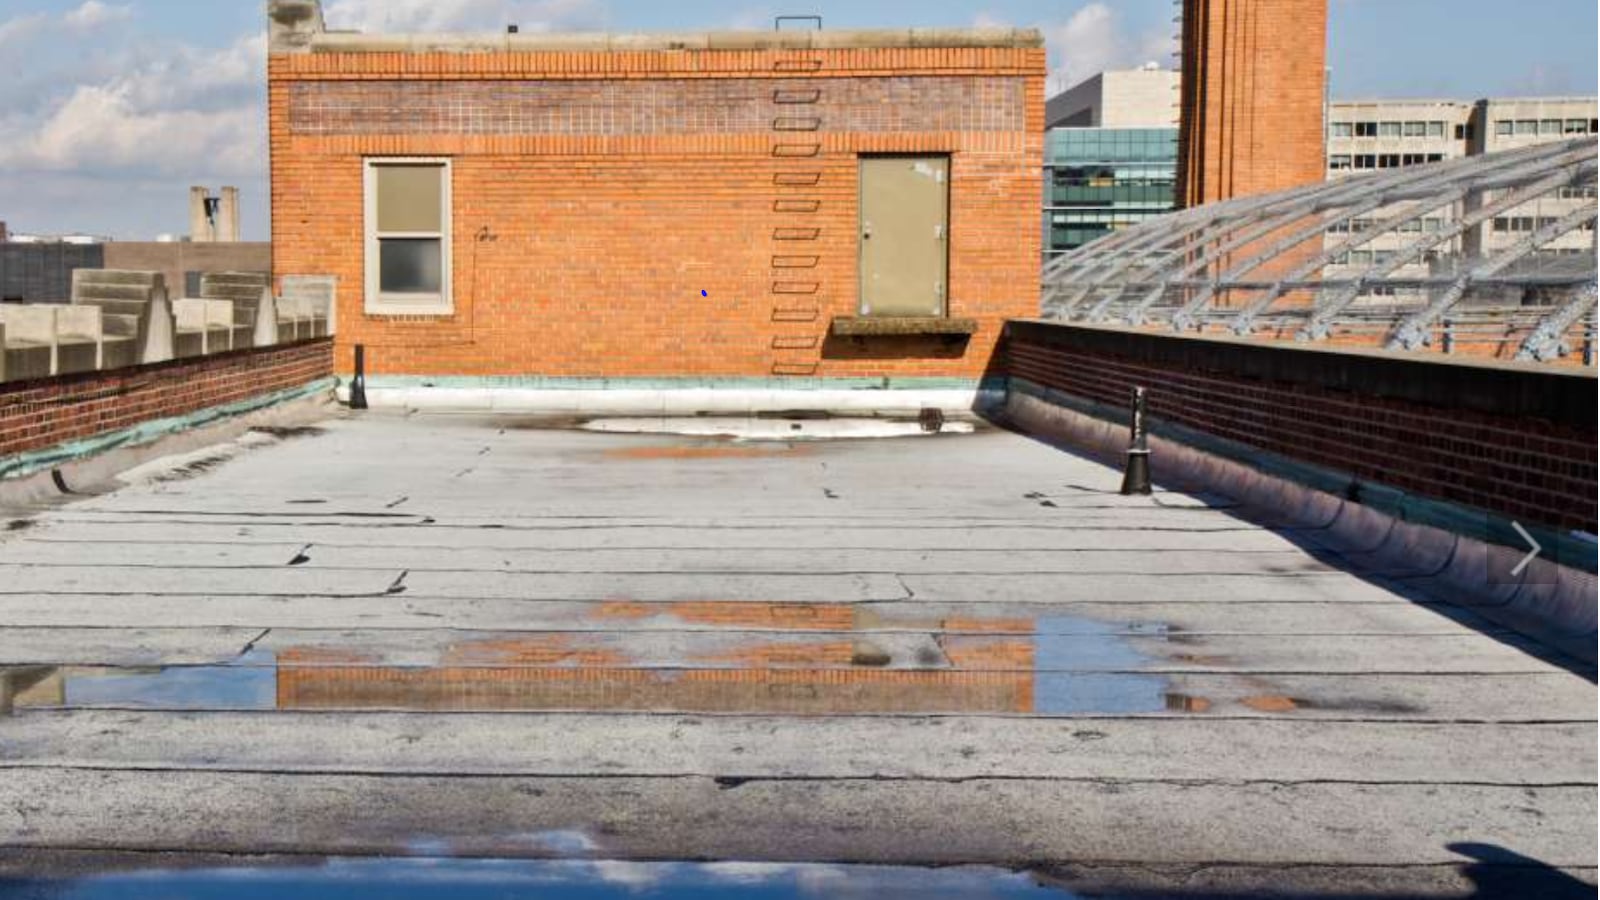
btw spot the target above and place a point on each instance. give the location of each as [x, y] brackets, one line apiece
[464, 879]
[818, 661]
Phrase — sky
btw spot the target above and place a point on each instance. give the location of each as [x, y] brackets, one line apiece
[111, 109]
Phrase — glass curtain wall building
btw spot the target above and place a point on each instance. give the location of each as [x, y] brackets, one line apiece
[1101, 180]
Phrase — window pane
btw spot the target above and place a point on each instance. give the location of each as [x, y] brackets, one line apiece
[409, 265]
[1436, 129]
[1502, 127]
[409, 198]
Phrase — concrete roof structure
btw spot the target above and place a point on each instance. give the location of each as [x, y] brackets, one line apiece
[476, 636]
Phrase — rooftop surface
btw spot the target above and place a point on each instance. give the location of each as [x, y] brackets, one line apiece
[455, 636]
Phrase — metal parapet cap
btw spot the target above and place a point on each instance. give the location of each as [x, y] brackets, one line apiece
[296, 26]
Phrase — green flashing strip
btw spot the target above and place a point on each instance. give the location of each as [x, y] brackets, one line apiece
[1567, 548]
[24, 464]
[554, 383]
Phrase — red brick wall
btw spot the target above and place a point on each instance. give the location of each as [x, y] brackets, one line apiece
[1252, 96]
[619, 185]
[48, 411]
[1521, 443]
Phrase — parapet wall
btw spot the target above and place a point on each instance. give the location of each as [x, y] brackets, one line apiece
[49, 420]
[1428, 476]
[1512, 440]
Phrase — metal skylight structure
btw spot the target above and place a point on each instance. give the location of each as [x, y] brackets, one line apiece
[1489, 254]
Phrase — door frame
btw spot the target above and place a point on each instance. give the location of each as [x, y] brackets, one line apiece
[861, 255]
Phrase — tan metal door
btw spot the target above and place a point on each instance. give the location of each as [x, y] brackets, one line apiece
[904, 235]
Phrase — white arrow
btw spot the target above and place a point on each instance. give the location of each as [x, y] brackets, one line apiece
[1531, 542]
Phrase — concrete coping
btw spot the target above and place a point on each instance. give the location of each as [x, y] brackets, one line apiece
[897, 326]
[354, 42]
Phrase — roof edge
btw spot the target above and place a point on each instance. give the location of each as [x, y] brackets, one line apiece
[355, 42]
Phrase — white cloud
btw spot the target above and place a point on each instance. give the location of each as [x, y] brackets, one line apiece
[409, 16]
[93, 14]
[1092, 40]
[184, 111]
[21, 27]
[106, 127]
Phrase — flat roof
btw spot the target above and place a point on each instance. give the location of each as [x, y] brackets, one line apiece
[510, 637]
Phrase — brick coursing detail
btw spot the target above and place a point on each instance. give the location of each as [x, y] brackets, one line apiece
[658, 106]
[583, 251]
[1531, 471]
[48, 411]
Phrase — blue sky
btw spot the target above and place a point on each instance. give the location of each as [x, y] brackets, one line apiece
[110, 109]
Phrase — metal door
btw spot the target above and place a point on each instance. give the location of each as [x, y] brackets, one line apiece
[904, 235]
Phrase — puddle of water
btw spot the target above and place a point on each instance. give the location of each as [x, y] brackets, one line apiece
[766, 429]
[481, 879]
[1051, 665]
[249, 684]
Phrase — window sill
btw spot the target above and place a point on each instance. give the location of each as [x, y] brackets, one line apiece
[405, 311]
[897, 326]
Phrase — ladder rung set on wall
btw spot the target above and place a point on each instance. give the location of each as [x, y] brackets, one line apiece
[796, 150]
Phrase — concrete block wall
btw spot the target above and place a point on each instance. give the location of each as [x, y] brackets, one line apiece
[47, 412]
[1516, 441]
[597, 193]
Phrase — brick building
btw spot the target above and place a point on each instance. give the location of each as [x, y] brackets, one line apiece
[717, 209]
[1253, 94]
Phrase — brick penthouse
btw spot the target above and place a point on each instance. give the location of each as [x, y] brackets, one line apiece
[853, 205]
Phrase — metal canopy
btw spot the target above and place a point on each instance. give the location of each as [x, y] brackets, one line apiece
[1494, 251]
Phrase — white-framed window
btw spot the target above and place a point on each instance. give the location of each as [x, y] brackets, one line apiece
[407, 230]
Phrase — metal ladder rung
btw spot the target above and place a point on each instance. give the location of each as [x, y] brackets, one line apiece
[797, 179]
[784, 97]
[795, 262]
[796, 313]
[791, 368]
[796, 287]
[796, 206]
[795, 342]
[796, 150]
[797, 123]
[796, 234]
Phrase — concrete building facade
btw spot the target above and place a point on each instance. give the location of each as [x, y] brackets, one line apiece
[213, 219]
[742, 206]
[1146, 97]
[1253, 92]
[1111, 155]
[1370, 135]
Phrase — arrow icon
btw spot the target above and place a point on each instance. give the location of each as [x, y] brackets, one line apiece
[1531, 542]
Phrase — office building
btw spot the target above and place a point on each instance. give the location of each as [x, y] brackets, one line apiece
[1111, 155]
